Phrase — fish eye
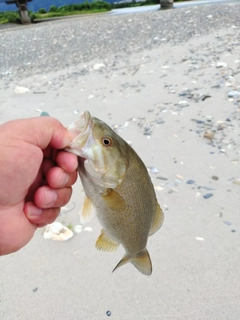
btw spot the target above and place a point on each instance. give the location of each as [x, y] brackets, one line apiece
[107, 141]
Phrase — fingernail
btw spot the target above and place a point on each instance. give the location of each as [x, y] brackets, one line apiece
[64, 179]
[50, 197]
[35, 211]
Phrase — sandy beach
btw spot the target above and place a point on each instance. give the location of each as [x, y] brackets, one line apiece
[169, 84]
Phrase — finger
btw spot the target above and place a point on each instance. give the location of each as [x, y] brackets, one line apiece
[16, 234]
[67, 161]
[58, 178]
[40, 131]
[46, 166]
[45, 197]
[40, 217]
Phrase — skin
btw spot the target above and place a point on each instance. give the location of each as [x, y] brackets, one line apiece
[35, 178]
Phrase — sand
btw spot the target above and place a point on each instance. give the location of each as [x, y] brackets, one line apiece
[162, 100]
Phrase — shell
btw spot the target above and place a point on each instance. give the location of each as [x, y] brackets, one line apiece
[57, 231]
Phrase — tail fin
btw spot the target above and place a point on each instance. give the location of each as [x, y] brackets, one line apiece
[141, 261]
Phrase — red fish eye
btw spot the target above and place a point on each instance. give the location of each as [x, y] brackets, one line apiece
[107, 142]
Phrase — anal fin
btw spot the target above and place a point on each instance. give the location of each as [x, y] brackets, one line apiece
[157, 220]
[104, 243]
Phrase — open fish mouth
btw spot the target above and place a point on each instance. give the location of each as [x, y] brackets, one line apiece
[81, 130]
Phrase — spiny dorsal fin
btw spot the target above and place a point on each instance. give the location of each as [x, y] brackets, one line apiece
[104, 243]
[141, 261]
[87, 211]
[157, 221]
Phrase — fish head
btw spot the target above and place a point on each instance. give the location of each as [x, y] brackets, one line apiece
[101, 149]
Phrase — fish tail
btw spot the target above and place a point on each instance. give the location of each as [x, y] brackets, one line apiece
[141, 261]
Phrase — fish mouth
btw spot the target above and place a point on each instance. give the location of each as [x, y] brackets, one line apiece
[80, 129]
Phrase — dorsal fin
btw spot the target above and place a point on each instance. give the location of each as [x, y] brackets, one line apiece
[157, 220]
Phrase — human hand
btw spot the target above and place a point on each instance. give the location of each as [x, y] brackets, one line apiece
[35, 177]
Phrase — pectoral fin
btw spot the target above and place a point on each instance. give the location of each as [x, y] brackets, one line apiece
[157, 221]
[104, 243]
[141, 261]
[114, 201]
[87, 211]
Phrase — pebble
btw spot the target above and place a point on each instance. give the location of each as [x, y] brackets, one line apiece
[237, 181]
[228, 223]
[44, 114]
[232, 94]
[21, 90]
[98, 66]
[161, 178]
[207, 195]
[78, 228]
[209, 135]
[108, 313]
[152, 169]
[89, 229]
[183, 103]
[190, 182]
[221, 64]
[215, 178]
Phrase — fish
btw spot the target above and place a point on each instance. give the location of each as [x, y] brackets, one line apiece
[117, 185]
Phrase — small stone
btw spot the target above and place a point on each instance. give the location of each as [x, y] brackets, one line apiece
[209, 135]
[177, 181]
[90, 96]
[152, 169]
[215, 178]
[44, 114]
[233, 230]
[161, 178]
[21, 90]
[35, 289]
[228, 223]
[179, 176]
[183, 103]
[78, 228]
[199, 238]
[98, 66]
[209, 118]
[158, 188]
[190, 182]
[108, 313]
[232, 94]
[159, 121]
[221, 64]
[208, 195]
[89, 229]
[237, 181]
